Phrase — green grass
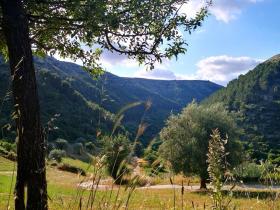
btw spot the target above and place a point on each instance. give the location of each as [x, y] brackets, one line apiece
[80, 164]
[62, 191]
[6, 165]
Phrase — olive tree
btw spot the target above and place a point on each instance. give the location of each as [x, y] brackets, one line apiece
[186, 137]
[141, 29]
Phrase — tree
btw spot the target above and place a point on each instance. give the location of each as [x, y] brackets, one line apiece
[186, 137]
[145, 30]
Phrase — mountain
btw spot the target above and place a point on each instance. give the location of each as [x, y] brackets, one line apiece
[86, 105]
[256, 96]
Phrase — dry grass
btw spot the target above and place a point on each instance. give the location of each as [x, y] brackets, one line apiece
[6, 165]
[62, 190]
[177, 180]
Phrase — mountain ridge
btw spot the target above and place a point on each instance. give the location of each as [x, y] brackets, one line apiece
[63, 83]
[256, 96]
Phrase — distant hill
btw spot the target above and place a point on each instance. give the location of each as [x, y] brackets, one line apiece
[85, 104]
[256, 96]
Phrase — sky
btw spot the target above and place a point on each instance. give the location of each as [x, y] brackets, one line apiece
[237, 36]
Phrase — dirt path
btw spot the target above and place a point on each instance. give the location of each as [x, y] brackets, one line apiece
[249, 187]
[6, 172]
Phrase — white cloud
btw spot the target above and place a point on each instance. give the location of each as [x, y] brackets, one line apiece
[161, 74]
[222, 69]
[218, 69]
[223, 10]
[109, 59]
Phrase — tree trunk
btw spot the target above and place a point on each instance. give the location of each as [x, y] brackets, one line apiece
[31, 171]
[203, 183]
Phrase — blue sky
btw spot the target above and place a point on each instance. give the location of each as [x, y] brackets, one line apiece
[238, 35]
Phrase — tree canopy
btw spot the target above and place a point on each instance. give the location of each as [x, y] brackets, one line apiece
[186, 138]
[256, 97]
[146, 30]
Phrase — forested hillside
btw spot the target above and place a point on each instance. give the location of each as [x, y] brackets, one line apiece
[256, 96]
[78, 105]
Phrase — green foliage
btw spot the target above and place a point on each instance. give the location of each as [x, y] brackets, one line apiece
[138, 149]
[71, 168]
[248, 171]
[90, 147]
[74, 106]
[255, 96]
[186, 137]
[151, 152]
[61, 144]
[78, 148]
[10, 147]
[117, 150]
[216, 159]
[150, 27]
[264, 172]
[8, 150]
[57, 155]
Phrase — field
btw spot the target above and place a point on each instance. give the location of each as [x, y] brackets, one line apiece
[64, 194]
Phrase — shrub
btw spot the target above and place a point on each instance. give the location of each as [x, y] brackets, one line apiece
[3, 151]
[150, 156]
[10, 147]
[78, 148]
[138, 149]
[57, 155]
[11, 156]
[157, 167]
[117, 150]
[151, 152]
[50, 147]
[61, 144]
[72, 169]
[248, 172]
[90, 147]
[8, 154]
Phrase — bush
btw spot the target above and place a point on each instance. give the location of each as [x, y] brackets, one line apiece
[3, 151]
[90, 147]
[248, 172]
[117, 150]
[10, 155]
[150, 156]
[157, 167]
[72, 169]
[151, 152]
[80, 139]
[138, 149]
[57, 155]
[61, 144]
[50, 147]
[8, 150]
[78, 148]
[10, 147]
